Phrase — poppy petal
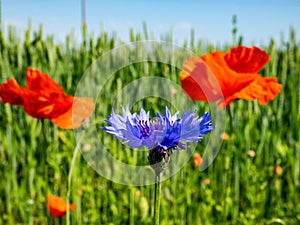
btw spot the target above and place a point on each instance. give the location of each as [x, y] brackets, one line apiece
[236, 73]
[82, 109]
[217, 82]
[36, 81]
[42, 104]
[11, 92]
[264, 89]
[198, 82]
[229, 80]
[271, 89]
[246, 60]
[44, 98]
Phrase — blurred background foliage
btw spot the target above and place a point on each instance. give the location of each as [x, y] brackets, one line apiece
[253, 180]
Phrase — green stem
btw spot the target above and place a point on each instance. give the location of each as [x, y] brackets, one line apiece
[236, 171]
[44, 131]
[230, 118]
[70, 181]
[131, 215]
[236, 184]
[157, 198]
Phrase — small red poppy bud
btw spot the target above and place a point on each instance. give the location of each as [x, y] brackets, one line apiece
[224, 136]
[278, 170]
[206, 181]
[252, 153]
[197, 160]
[58, 206]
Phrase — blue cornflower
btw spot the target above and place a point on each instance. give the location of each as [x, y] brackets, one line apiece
[165, 132]
[160, 135]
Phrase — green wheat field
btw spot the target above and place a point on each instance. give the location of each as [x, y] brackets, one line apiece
[237, 188]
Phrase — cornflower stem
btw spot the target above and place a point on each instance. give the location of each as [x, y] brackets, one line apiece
[70, 181]
[157, 198]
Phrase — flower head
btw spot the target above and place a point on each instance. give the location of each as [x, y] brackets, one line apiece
[236, 73]
[166, 132]
[44, 98]
[224, 136]
[197, 160]
[161, 135]
[58, 206]
[278, 170]
[252, 153]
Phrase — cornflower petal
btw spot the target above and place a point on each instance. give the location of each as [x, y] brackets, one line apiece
[163, 134]
[190, 127]
[205, 124]
[172, 135]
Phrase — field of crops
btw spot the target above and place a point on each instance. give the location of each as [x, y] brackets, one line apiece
[255, 178]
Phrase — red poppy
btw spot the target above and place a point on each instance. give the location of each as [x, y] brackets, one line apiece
[58, 206]
[235, 76]
[44, 98]
[224, 136]
[197, 160]
[278, 170]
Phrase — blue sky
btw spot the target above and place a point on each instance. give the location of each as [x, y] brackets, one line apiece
[257, 20]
